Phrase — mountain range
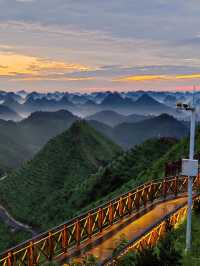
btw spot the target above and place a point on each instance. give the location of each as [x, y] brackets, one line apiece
[86, 105]
[128, 135]
[112, 118]
[19, 141]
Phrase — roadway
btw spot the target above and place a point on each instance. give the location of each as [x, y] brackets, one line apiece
[129, 228]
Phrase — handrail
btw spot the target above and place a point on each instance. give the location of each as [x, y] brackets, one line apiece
[57, 241]
[150, 236]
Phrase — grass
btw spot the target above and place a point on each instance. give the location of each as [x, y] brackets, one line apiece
[190, 258]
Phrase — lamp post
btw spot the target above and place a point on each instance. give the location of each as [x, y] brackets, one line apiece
[189, 168]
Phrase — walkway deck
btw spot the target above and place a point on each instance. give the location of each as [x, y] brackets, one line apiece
[102, 247]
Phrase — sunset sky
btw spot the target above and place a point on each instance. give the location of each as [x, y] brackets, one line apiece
[87, 45]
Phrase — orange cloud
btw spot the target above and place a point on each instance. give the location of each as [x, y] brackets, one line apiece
[188, 76]
[140, 78]
[56, 78]
[156, 77]
[15, 65]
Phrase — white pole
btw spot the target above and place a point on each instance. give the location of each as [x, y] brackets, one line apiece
[190, 182]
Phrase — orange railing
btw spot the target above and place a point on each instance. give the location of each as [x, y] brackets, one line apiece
[58, 241]
[152, 234]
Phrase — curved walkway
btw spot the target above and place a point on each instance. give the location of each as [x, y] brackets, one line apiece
[103, 246]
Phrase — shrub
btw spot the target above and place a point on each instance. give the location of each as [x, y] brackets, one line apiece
[196, 206]
[167, 254]
[120, 245]
[164, 254]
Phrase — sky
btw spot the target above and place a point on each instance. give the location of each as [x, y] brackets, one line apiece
[88, 45]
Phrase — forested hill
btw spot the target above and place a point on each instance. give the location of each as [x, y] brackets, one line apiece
[123, 173]
[40, 192]
[142, 163]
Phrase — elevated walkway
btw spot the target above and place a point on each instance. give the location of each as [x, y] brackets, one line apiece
[140, 215]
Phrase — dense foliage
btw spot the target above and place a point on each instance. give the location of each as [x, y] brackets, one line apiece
[123, 173]
[163, 254]
[193, 257]
[10, 238]
[40, 192]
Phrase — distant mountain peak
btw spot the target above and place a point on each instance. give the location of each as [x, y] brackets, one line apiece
[89, 102]
[116, 99]
[46, 114]
[65, 100]
[166, 117]
[80, 129]
[146, 99]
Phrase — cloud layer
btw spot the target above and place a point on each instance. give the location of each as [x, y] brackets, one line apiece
[125, 44]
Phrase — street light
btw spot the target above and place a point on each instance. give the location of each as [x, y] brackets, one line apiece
[189, 168]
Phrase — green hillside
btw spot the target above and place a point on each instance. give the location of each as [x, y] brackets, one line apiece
[40, 192]
[71, 173]
[156, 168]
[10, 238]
[123, 173]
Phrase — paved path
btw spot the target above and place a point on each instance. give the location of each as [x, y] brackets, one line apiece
[3, 177]
[12, 223]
